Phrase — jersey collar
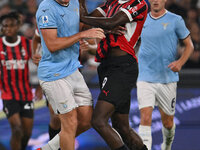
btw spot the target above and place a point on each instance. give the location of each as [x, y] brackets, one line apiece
[158, 16]
[122, 1]
[11, 44]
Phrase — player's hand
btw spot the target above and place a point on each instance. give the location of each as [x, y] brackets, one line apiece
[93, 33]
[84, 45]
[36, 58]
[38, 93]
[175, 66]
[117, 30]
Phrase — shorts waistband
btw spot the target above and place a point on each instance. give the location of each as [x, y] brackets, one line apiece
[118, 60]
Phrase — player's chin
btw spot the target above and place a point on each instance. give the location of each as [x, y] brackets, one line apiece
[9, 35]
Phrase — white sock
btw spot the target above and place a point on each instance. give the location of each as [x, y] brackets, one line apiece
[54, 143]
[168, 137]
[145, 134]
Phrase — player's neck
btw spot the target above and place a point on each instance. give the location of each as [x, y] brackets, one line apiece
[158, 14]
[12, 39]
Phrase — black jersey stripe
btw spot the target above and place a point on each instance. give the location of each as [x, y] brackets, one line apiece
[103, 51]
[115, 37]
[141, 10]
[108, 43]
[16, 73]
[111, 10]
[136, 2]
[28, 47]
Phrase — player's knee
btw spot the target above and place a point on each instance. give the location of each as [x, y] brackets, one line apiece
[97, 123]
[27, 134]
[69, 125]
[145, 119]
[17, 132]
[84, 125]
[168, 124]
[121, 128]
[55, 121]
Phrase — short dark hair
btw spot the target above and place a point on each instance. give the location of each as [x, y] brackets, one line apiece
[11, 15]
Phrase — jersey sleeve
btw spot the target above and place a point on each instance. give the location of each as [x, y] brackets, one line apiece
[181, 29]
[46, 18]
[135, 11]
[103, 9]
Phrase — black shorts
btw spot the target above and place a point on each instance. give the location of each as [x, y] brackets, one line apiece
[24, 108]
[117, 77]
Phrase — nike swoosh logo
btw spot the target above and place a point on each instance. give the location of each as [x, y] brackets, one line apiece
[44, 10]
[62, 15]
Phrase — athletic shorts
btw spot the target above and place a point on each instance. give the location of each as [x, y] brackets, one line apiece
[117, 77]
[67, 93]
[157, 94]
[24, 108]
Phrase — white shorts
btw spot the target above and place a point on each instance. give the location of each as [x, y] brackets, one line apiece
[157, 94]
[67, 93]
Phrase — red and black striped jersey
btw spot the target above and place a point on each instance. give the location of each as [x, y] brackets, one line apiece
[136, 10]
[14, 71]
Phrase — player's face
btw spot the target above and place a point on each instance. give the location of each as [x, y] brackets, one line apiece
[157, 5]
[10, 27]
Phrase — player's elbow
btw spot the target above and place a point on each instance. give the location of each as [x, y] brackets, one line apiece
[51, 47]
[110, 25]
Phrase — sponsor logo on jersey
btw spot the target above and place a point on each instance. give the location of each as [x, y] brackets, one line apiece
[14, 64]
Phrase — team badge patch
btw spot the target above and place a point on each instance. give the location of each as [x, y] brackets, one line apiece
[45, 20]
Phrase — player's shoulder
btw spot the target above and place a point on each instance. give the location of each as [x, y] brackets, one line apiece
[23, 38]
[45, 6]
[173, 15]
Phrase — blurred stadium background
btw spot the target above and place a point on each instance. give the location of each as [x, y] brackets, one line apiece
[188, 98]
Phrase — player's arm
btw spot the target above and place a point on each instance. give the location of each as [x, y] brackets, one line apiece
[118, 19]
[84, 12]
[34, 47]
[55, 43]
[177, 65]
[35, 42]
[125, 15]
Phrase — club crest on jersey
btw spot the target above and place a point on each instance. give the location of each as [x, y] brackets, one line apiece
[134, 10]
[165, 25]
[45, 20]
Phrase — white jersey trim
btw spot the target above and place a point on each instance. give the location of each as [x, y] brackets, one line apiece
[101, 11]
[158, 16]
[130, 30]
[127, 13]
[122, 1]
[37, 33]
[11, 44]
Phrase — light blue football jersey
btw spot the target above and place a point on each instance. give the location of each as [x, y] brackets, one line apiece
[159, 40]
[62, 63]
